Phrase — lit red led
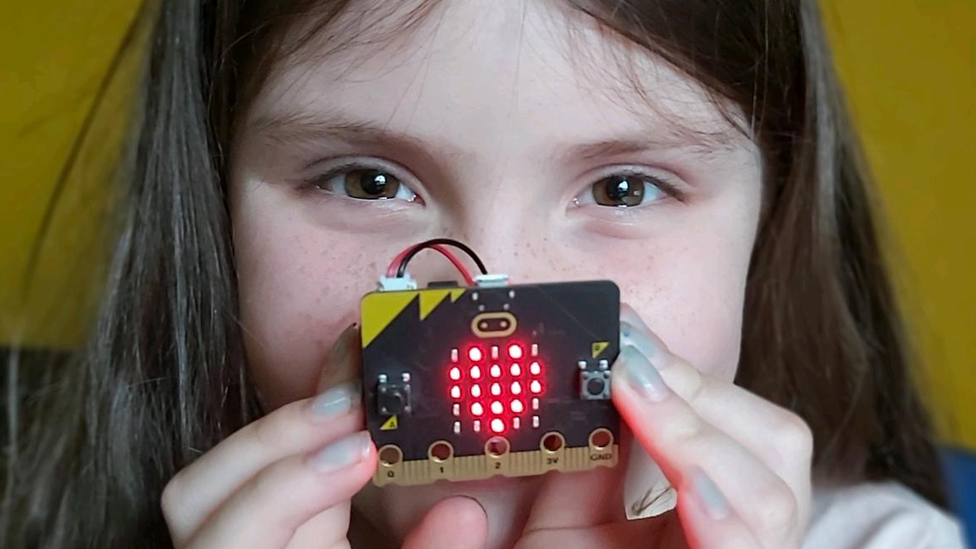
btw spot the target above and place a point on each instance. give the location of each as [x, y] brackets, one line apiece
[456, 373]
[535, 387]
[515, 351]
[535, 368]
[475, 354]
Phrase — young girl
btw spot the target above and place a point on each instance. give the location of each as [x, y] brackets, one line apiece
[697, 153]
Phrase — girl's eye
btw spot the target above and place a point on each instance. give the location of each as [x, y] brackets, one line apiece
[623, 191]
[366, 184]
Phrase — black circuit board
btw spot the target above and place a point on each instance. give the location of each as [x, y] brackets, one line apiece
[464, 365]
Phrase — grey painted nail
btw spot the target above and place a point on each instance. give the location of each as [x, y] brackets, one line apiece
[709, 497]
[336, 401]
[636, 338]
[642, 376]
[342, 453]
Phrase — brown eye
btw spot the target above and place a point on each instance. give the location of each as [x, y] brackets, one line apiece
[620, 190]
[370, 184]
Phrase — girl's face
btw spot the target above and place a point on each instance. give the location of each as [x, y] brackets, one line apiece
[555, 149]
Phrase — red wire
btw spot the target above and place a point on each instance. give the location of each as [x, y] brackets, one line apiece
[468, 279]
[392, 269]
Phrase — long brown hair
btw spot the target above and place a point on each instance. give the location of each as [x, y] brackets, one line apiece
[164, 378]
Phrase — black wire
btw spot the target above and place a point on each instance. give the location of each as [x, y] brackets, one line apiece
[402, 269]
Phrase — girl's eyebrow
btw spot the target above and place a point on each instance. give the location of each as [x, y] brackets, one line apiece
[657, 136]
[588, 152]
[308, 128]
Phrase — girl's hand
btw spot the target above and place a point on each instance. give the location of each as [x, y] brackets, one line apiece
[286, 480]
[741, 465]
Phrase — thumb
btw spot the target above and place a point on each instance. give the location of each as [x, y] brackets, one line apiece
[455, 523]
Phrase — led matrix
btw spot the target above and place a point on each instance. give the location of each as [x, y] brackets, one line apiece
[493, 388]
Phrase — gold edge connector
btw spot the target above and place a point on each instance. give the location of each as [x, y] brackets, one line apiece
[441, 466]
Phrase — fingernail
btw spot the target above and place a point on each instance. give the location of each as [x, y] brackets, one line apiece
[345, 339]
[342, 453]
[642, 376]
[343, 363]
[336, 401]
[708, 496]
[636, 338]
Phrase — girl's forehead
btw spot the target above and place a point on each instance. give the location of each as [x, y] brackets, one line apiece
[531, 70]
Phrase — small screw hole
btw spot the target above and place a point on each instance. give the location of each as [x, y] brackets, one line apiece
[497, 447]
[601, 439]
[552, 442]
[441, 451]
[390, 455]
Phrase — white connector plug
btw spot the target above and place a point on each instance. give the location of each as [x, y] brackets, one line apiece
[397, 283]
[493, 280]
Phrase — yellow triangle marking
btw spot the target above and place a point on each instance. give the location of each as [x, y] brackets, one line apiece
[455, 294]
[390, 424]
[379, 310]
[430, 299]
[598, 347]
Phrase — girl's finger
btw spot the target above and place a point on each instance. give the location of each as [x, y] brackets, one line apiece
[269, 508]
[776, 436]
[708, 520]
[295, 428]
[326, 530]
[455, 523]
[558, 502]
[680, 441]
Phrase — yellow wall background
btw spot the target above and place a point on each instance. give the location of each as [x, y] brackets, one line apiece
[909, 68]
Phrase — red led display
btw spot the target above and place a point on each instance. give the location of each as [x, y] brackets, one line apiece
[492, 389]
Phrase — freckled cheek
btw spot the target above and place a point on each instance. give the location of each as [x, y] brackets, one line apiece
[298, 292]
[699, 320]
[691, 296]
